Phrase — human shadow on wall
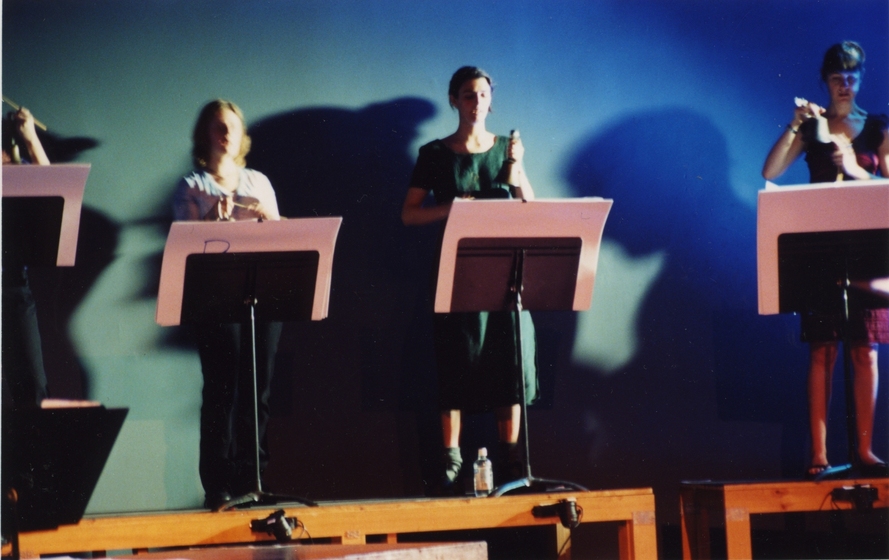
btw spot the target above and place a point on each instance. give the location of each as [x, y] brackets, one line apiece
[353, 396]
[59, 291]
[709, 376]
[159, 219]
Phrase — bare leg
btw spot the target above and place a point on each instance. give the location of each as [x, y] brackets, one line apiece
[822, 359]
[509, 422]
[509, 464]
[450, 427]
[864, 358]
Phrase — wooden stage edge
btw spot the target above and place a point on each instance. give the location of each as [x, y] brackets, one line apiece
[730, 504]
[354, 522]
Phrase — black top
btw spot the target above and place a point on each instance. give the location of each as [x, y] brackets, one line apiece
[819, 155]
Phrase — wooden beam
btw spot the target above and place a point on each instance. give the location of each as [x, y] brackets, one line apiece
[350, 522]
[732, 504]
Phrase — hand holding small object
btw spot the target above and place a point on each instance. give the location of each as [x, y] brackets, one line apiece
[21, 109]
[846, 160]
[806, 110]
[225, 207]
[516, 150]
[25, 123]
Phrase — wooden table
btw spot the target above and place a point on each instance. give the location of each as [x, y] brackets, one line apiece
[417, 551]
[353, 522]
[732, 503]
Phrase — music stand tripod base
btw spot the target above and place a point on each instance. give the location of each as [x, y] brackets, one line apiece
[262, 498]
[834, 473]
[532, 482]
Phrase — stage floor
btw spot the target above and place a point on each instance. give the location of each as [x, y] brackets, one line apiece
[355, 522]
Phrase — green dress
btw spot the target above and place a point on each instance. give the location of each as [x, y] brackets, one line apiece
[475, 353]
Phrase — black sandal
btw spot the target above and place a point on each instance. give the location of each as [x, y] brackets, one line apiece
[876, 470]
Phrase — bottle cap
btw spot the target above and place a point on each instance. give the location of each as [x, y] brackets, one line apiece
[482, 451]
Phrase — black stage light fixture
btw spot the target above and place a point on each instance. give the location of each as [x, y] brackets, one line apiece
[567, 510]
[277, 524]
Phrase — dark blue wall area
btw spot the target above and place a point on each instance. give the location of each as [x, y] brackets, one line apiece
[668, 108]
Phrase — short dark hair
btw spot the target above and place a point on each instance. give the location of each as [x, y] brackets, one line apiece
[465, 74]
[847, 56]
[200, 137]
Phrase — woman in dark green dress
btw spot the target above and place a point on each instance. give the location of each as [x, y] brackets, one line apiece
[475, 352]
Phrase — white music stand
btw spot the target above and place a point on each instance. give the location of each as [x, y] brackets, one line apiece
[814, 240]
[196, 238]
[582, 218]
[238, 271]
[820, 207]
[43, 204]
[513, 255]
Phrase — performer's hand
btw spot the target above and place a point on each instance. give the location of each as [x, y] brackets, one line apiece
[250, 208]
[225, 207]
[257, 208]
[804, 111]
[24, 122]
[845, 159]
[842, 152]
[516, 150]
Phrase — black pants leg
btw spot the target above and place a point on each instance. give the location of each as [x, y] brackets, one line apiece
[24, 379]
[227, 449]
[219, 348]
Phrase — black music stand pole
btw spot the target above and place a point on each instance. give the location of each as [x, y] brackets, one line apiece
[258, 495]
[528, 481]
[849, 385]
[853, 468]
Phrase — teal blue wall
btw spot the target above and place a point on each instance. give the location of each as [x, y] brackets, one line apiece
[667, 107]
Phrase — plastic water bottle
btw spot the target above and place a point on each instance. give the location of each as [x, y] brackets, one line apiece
[483, 474]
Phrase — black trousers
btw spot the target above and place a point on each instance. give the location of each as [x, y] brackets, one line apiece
[227, 449]
[24, 379]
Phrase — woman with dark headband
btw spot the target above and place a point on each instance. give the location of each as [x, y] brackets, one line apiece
[475, 352]
[841, 142]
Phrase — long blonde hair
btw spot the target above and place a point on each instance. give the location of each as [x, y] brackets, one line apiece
[200, 137]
